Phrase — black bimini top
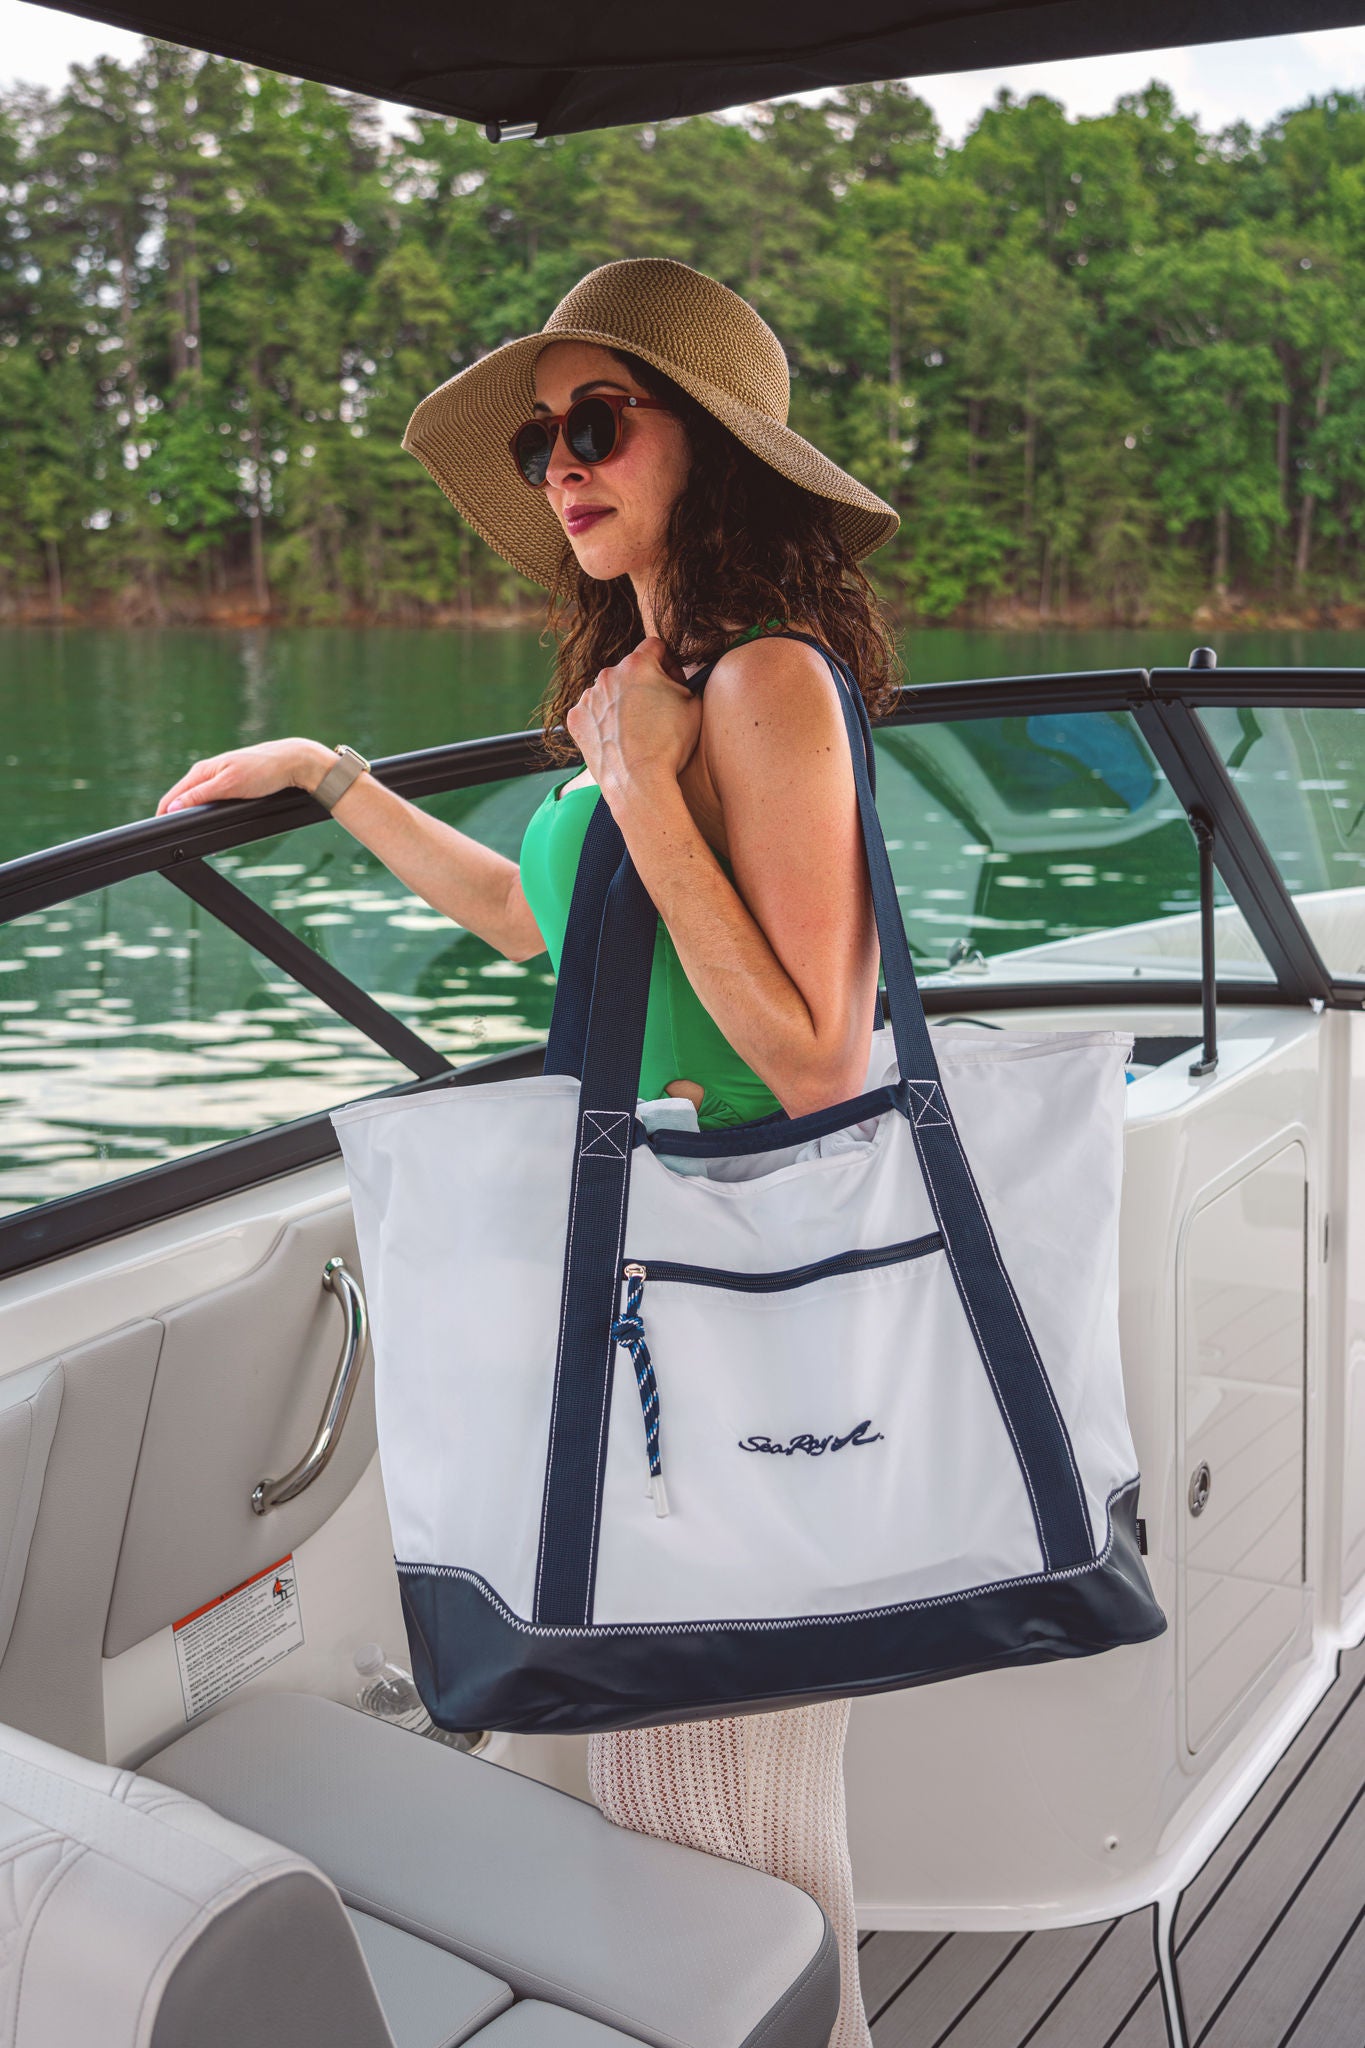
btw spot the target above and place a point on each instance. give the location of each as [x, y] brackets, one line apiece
[552, 67]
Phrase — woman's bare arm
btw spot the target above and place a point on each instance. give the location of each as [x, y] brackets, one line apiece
[785, 959]
[459, 876]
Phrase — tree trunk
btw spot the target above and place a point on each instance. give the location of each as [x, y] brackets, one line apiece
[128, 368]
[1282, 412]
[180, 353]
[1030, 452]
[1045, 580]
[1220, 552]
[1307, 501]
[1304, 547]
[259, 585]
[193, 341]
[54, 580]
[973, 432]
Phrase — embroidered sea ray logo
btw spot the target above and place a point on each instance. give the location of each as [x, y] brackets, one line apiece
[813, 1446]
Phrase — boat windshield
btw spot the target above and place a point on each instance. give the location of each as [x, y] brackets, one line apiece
[1047, 846]
[1300, 771]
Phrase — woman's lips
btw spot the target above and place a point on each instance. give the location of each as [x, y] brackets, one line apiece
[584, 516]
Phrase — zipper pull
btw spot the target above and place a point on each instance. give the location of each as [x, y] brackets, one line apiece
[629, 1329]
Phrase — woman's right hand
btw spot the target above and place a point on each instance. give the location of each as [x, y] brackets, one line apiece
[246, 772]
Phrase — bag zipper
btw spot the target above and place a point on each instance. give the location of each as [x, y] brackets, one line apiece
[793, 1276]
[629, 1328]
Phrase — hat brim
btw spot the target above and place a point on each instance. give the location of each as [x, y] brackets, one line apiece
[460, 431]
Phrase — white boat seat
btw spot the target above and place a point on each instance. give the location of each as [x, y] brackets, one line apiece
[534, 1887]
[133, 1917]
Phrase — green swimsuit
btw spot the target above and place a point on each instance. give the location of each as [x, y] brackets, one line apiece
[682, 1040]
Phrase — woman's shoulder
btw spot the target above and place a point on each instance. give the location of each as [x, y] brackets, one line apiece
[772, 686]
[775, 722]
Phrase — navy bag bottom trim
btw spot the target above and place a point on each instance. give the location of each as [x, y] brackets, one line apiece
[507, 1674]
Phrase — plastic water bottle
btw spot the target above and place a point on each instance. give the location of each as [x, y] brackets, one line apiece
[390, 1695]
[388, 1692]
[672, 1113]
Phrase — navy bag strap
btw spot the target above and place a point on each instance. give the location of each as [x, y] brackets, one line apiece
[601, 855]
[609, 1068]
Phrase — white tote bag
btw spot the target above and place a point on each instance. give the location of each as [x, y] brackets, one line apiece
[804, 1421]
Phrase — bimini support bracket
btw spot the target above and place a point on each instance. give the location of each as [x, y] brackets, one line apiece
[1202, 826]
[511, 131]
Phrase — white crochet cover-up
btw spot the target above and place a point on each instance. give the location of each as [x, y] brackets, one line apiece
[762, 1789]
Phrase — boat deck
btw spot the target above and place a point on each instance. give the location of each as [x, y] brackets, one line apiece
[1269, 1936]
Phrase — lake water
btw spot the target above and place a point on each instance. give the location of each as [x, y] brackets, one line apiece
[134, 1028]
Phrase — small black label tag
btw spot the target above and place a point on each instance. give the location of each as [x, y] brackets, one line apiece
[1141, 1534]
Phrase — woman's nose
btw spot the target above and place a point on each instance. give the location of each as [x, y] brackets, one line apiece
[563, 467]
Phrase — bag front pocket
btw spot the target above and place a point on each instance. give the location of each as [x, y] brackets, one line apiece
[829, 1434]
[629, 1327]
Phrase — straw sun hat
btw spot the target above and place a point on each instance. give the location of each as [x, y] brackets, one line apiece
[698, 332]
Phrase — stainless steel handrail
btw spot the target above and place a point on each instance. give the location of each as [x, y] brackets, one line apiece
[269, 1493]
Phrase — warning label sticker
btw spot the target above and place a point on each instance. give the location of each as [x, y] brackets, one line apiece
[227, 1641]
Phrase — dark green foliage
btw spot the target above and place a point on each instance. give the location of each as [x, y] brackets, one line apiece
[1104, 366]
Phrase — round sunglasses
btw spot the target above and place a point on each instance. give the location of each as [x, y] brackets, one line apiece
[591, 429]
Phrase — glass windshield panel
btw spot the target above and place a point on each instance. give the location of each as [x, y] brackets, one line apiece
[1045, 848]
[1300, 771]
[448, 985]
[134, 1029]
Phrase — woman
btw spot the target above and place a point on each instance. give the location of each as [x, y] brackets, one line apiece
[634, 456]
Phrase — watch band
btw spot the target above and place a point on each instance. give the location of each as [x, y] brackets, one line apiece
[338, 779]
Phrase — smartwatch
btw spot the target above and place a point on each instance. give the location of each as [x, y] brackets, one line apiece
[339, 778]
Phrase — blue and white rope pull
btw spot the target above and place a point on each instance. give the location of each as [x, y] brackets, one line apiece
[629, 1329]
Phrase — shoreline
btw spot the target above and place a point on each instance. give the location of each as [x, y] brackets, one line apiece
[132, 611]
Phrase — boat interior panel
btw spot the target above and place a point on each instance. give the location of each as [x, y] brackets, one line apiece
[242, 1380]
[29, 1405]
[1242, 1288]
[51, 1676]
[1345, 1246]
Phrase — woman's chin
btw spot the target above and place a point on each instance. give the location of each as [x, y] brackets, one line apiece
[602, 559]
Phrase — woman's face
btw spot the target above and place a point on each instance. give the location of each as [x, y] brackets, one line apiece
[615, 513]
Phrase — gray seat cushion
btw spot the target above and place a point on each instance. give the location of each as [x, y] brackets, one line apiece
[133, 1917]
[528, 1883]
[531, 2023]
[431, 1998]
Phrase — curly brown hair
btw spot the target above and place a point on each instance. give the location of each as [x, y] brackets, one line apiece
[744, 545]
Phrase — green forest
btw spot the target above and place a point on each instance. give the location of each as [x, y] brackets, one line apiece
[1110, 370]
